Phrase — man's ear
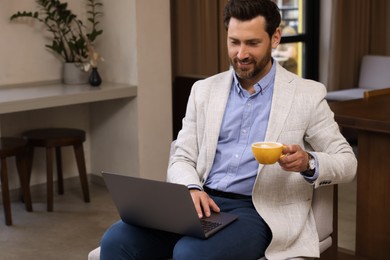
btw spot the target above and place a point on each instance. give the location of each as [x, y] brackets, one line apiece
[276, 37]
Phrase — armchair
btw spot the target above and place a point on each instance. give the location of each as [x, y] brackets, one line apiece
[374, 74]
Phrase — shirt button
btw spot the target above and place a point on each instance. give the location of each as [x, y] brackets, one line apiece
[244, 131]
[236, 155]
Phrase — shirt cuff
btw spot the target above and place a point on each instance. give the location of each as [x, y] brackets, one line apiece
[194, 186]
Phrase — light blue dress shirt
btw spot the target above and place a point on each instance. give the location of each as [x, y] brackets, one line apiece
[245, 122]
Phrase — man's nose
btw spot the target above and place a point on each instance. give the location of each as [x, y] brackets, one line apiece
[242, 52]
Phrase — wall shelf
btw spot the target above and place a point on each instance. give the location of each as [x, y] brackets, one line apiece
[25, 97]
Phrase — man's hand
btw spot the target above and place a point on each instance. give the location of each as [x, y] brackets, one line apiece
[295, 159]
[203, 203]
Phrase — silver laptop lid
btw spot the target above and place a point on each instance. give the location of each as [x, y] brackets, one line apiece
[158, 205]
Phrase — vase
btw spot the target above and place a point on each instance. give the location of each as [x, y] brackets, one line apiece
[71, 74]
[94, 78]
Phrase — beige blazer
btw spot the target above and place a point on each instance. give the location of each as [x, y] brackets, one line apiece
[299, 115]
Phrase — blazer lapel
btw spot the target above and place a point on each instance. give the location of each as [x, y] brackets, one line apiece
[282, 100]
[219, 93]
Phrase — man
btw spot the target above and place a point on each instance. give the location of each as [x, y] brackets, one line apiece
[257, 100]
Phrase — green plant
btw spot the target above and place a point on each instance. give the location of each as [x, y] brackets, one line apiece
[72, 40]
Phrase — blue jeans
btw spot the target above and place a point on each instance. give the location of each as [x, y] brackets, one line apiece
[245, 238]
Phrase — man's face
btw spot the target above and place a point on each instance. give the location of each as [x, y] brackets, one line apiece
[249, 49]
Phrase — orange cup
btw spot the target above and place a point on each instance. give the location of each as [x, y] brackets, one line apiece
[267, 152]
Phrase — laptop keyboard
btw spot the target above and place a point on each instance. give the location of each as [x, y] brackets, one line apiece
[209, 225]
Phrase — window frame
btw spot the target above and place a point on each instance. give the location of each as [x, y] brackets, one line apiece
[309, 39]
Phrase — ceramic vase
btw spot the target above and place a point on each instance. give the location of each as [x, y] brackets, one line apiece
[71, 74]
[94, 78]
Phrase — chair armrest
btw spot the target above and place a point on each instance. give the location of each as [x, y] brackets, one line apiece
[376, 92]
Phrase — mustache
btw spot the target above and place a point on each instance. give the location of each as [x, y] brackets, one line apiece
[246, 60]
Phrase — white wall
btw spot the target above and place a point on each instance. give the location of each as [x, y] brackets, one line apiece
[136, 47]
[23, 57]
[154, 81]
[118, 43]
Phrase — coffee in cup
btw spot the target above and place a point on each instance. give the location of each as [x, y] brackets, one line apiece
[267, 152]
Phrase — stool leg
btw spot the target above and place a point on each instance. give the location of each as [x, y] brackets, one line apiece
[5, 191]
[60, 178]
[49, 177]
[21, 164]
[79, 154]
[29, 156]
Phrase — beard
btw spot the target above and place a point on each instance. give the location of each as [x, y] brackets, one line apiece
[251, 72]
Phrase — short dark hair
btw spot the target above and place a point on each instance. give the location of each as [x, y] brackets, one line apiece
[245, 10]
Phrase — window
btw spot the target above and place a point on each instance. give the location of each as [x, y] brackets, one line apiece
[298, 51]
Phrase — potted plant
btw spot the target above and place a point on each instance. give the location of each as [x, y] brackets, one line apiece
[71, 40]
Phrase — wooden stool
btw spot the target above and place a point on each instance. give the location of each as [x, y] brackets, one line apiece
[55, 138]
[9, 147]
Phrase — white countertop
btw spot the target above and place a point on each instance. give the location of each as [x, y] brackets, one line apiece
[23, 97]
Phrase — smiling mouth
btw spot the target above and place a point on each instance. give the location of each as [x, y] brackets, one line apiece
[243, 64]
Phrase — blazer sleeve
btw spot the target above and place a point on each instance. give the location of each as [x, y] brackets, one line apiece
[183, 163]
[336, 160]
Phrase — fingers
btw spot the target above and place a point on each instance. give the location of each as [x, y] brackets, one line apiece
[203, 203]
[295, 158]
[196, 194]
[214, 207]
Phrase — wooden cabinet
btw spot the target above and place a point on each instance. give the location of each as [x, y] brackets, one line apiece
[370, 117]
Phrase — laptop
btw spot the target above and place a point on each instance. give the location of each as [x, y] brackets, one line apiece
[161, 205]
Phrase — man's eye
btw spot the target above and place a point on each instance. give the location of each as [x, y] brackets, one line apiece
[253, 43]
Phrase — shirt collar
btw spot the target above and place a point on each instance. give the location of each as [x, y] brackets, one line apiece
[262, 85]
